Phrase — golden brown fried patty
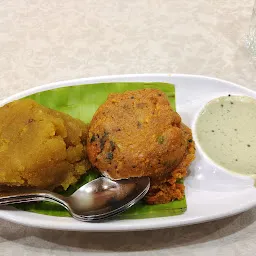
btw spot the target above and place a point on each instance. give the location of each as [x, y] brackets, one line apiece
[135, 134]
[171, 188]
[40, 147]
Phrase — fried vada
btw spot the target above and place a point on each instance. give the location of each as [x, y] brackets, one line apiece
[137, 133]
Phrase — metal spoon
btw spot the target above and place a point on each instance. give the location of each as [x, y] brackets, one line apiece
[97, 200]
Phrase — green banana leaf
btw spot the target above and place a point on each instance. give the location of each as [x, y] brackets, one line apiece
[81, 102]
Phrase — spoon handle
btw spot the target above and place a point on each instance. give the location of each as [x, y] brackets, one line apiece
[29, 195]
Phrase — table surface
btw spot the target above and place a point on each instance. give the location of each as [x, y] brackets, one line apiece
[49, 40]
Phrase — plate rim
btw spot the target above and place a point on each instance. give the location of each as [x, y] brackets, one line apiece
[76, 81]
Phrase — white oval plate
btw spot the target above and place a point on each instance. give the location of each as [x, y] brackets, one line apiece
[211, 192]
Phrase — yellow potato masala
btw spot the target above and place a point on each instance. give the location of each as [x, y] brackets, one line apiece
[40, 147]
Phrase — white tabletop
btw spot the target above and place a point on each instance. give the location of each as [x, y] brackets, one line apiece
[49, 40]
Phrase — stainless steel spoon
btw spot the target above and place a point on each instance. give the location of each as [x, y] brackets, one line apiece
[97, 200]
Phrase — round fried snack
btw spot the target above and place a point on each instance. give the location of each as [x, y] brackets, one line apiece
[171, 187]
[136, 134]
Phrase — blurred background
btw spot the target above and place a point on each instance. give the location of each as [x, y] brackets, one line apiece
[47, 41]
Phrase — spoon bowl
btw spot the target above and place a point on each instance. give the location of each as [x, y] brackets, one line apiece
[97, 200]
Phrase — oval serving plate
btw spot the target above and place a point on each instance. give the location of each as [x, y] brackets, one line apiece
[211, 192]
